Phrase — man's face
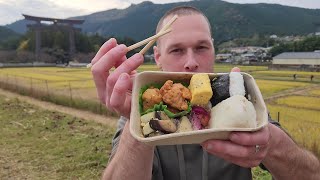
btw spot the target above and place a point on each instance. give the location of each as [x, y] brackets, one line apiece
[188, 47]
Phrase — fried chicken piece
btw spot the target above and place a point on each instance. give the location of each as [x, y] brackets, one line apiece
[186, 93]
[151, 97]
[175, 95]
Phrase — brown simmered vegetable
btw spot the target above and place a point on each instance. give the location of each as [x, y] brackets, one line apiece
[147, 129]
[165, 126]
[185, 125]
[161, 115]
[147, 117]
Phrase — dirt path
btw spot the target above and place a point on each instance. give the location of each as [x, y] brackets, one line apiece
[110, 121]
[295, 91]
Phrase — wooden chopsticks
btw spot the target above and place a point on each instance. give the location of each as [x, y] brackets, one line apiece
[151, 40]
[165, 27]
[155, 37]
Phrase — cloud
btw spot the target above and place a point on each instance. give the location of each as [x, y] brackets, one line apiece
[154, 1]
[312, 4]
[12, 10]
[91, 5]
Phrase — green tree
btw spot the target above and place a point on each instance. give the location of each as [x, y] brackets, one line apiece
[308, 44]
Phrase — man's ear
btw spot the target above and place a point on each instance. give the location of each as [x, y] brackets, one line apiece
[157, 55]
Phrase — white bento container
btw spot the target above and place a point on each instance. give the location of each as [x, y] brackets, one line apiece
[196, 136]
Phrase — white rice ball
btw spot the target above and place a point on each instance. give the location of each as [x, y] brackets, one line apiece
[234, 112]
[236, 86]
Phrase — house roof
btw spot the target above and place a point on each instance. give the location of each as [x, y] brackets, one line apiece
[298, 55]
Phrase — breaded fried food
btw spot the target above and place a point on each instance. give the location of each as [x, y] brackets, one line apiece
[151, 97]
[175, 95]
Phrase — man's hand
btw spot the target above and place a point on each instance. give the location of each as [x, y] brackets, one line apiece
[246, 149]
[114, 89]
[241, 148]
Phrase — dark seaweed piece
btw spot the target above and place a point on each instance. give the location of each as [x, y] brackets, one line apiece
[220, 89]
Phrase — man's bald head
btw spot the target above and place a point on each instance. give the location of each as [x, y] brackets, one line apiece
[181, 11]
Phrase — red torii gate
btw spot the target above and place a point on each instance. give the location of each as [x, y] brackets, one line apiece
[64, 24]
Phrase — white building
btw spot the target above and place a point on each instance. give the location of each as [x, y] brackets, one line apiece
[273, 36]
[297, 58]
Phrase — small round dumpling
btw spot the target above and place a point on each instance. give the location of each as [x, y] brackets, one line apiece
[234, 112]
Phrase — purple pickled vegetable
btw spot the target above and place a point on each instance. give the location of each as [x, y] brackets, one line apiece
[199, 110]
[196, 124]
[199, 117]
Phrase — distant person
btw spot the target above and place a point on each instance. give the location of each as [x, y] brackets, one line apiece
[188, 48]
[294, 76]
[311, 77]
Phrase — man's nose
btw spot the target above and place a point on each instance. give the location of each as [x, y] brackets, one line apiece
[191, 62]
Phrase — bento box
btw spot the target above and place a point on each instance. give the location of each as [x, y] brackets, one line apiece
[212, 131]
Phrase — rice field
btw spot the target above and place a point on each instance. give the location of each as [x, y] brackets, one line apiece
[287, 76]
[79, 78]
[302, 124]
[299, 112]
[299, 116]
[71, 82]
[315, 92]
[271, 87]
[303, 102]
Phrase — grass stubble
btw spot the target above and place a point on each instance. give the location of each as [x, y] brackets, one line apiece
[39, 144]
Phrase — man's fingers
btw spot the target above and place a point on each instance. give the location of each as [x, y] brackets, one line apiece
[235, 69]
[111, 43]
[99, 76]
[127, 106]
[110, 59]
[260, 137]
[120, 89]
[245, 156]
[118, 63]
[100, 82]
[100, 70]
[126, 67]
[133, 73]
[247, 163]
[220, 147]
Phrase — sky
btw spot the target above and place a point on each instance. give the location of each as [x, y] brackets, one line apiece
[12, 10]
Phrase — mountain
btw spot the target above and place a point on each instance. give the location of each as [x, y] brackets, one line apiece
[228, 20]
[19, 26]
[6, 34]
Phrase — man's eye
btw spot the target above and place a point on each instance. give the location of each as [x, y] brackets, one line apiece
[176, 51]
[201, 48]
